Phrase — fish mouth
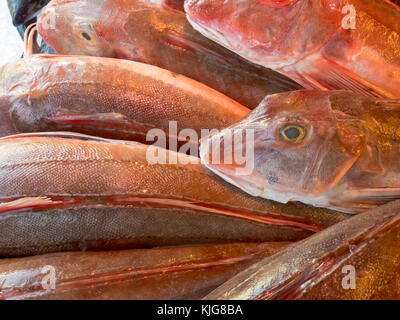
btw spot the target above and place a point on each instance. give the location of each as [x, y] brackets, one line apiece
[15, 206]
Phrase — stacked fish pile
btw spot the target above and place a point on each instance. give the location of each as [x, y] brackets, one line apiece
[195, 149]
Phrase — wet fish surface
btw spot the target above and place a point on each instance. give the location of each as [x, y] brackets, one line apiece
[334, 149]
[107, 97]
[69, 192]
[153, 34]
[139, 274]
[358, 259]
[340, 44]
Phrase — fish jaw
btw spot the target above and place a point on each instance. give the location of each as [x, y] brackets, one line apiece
[77, 19]
[244, 176]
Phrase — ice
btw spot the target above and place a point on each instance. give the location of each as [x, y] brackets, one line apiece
[11, 43]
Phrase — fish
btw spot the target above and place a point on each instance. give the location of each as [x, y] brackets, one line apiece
[332, 149]
[396, 2]
[321, 44]
[139, 274]
[108, 97]
[70, 192]
[153, 34]
[357, 259]
[173, 4]
[24, 10]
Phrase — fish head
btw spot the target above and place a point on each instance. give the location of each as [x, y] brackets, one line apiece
[273, 33]
[293, 147]
[72, 27]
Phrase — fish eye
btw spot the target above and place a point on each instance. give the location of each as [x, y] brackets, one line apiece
[86, 30]
[292, 133]
[86, 36]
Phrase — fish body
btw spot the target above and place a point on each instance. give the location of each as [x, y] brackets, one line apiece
[156, 35]
[334, 149]
[358, 259]
[106, 97]
[159, 273]
[69, 192]
[321, 44]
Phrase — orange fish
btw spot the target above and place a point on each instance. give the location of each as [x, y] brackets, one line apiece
[321, 44]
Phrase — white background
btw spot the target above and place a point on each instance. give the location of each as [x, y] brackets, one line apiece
[11, 45]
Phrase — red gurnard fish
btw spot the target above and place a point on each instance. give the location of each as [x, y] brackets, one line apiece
[159, 273]
[153, 34]
[68, 192]
[357, 259]
[106, 97]
[321, 44]
[333, 149]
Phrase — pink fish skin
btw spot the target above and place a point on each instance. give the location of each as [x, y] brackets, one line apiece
[160, 273]
[311, 41]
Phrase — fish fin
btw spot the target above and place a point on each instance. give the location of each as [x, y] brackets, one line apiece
[331, 76]
[104, 123]
[28, 202]
[70, 118]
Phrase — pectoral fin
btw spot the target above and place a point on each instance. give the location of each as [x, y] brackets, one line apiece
[29, 202]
